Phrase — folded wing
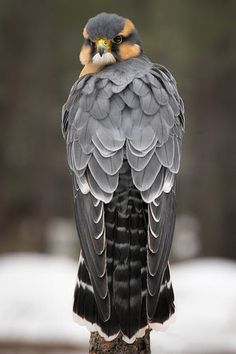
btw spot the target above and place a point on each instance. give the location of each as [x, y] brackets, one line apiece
[138, 115]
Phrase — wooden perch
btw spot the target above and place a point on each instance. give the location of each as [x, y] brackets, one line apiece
[99, 346]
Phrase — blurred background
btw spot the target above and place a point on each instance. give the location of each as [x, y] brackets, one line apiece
[40, 42]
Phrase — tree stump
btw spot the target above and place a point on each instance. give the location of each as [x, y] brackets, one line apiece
[99, 346]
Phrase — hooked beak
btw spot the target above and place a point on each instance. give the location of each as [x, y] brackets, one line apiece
[101, 49]
[103, 45]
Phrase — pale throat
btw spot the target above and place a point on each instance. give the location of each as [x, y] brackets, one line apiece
[97, 63]
[106, 59]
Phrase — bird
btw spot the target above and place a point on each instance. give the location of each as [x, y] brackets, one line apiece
[123, 125]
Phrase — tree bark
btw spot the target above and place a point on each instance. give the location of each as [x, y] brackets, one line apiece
[99, 346]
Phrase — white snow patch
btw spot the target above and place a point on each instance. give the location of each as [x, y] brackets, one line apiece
[36, 300]
[205, 293]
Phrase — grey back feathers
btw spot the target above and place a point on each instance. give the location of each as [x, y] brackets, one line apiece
[130, 108]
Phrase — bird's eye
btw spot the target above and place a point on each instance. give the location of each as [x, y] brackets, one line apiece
[88, 41]
[117, 39]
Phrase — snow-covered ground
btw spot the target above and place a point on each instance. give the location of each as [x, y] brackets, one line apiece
[205, 292]
[36, 293]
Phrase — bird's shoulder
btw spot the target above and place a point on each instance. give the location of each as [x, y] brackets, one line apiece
[116, 78]
[134, 83]
[124, 72]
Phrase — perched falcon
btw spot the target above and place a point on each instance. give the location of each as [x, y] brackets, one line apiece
[123, 124]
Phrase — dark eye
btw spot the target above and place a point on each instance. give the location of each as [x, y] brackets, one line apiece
[88, 41]
[117, 39]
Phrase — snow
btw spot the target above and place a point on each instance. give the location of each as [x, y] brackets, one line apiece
[36, 299]
[205, 292]
[37, 293]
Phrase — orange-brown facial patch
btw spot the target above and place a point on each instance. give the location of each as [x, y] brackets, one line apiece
[128, 50]
[85, 33]
[85, 54]
[128, 28]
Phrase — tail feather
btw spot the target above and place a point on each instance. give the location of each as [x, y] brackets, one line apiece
[127, 280]
[85, 308]
[165, 307]
[126, 235]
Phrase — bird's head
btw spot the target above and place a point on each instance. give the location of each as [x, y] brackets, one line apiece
[109, 38]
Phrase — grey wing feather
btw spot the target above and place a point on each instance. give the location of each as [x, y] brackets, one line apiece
[109, 166]
[148, 104]
[93, 136]
[144, 179]
[91, 230]
[96, 191]
[108, 183]
[156, 189]
[140, 87]
[130, 98]
[176, 161]
[116, 105]
[165, 153]
[153, 152]
[94, 151]
[100, 108]
[153, 146]
[143, 139]
[160, 235]
[137, 162]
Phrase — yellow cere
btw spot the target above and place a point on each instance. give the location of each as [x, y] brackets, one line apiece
[104, 42]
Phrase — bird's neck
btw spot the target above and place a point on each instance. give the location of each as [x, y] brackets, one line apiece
[91, 68]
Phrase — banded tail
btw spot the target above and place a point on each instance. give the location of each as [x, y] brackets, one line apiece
[126, 219]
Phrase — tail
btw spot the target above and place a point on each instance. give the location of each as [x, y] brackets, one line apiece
[126, 234]
[85, 309]
[165, 307]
